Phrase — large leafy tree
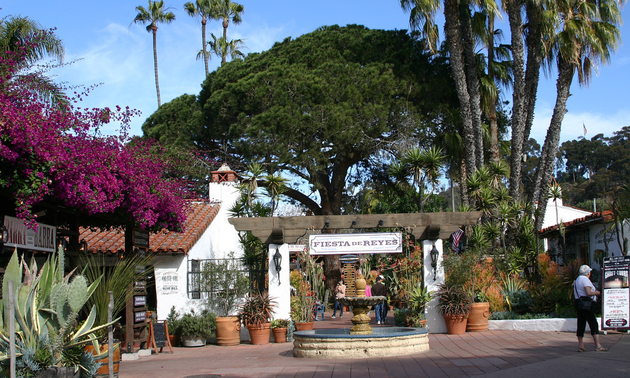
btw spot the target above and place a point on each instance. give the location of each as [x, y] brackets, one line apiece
[203, 9]
[319, 105]
[153, 15]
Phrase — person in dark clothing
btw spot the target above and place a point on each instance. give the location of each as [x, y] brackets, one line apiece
[379, 289]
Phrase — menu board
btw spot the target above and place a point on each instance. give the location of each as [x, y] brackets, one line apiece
[616, 293]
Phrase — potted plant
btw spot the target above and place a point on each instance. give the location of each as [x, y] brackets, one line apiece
[279, 327]
[302, 302]
[174, 328]
[195, 328]
[418, 299]
[256, 314]
[226, 285]
[454, 304]
[49, 297]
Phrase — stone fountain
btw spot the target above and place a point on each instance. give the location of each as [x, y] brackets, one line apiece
[360, 340]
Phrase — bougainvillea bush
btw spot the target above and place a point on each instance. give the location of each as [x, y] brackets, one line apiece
[55, 152]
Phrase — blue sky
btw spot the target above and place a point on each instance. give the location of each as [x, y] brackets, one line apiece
[113, 51]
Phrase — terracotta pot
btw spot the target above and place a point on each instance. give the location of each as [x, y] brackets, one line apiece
[304, 326]
[259, 334]
[228, 330]
[174, 340]
[103, 371]
[455, 325]
[478, 317]
[279, 335]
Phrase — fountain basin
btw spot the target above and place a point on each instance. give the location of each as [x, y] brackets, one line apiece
[339, 343]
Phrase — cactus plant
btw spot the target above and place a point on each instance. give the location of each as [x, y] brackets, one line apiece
[47, 306]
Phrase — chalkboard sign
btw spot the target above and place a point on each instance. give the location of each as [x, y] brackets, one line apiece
[159, 336]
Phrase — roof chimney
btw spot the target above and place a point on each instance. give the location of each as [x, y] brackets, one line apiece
[224, 174]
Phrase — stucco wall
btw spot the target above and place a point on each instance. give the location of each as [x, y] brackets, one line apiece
[171, 271]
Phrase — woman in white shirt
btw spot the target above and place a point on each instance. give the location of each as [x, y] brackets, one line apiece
[583, 287]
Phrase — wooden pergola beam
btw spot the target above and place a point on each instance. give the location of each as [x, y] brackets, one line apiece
[424, 226]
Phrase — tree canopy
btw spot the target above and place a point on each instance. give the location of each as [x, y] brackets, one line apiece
[317, 106]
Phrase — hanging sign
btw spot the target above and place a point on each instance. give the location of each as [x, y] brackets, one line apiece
[19, 235]
[616, 293]
[342, 244]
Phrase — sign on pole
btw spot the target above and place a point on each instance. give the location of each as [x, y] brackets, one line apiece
[616, 293]
[343, 244]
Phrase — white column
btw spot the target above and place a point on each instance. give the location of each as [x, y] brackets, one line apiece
[279, 284]
[435, 321]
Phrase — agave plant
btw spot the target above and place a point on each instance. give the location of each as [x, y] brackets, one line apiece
[47, 305]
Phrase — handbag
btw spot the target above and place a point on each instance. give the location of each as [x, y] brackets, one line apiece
[584, 303]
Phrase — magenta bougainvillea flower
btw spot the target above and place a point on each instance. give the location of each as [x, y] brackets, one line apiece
[55, 151]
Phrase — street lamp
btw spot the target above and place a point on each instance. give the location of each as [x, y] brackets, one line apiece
[277, 262]
[435, 254]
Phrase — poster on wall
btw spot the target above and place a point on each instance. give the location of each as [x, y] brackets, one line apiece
[166, 282]
[616, 293]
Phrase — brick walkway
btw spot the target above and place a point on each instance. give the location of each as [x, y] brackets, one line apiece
[470, 354]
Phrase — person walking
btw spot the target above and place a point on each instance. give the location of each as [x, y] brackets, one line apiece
[585, 297]
[379, 289]
[340, 292]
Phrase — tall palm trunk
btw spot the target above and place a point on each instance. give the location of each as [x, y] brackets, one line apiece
[550, 148]
[155, 66]
[204, 21]
[472, 83]
[492, 102]
[534, 61]
[454, 43]
[514, 8]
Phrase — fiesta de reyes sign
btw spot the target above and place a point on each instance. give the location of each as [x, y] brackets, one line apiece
[341, 244]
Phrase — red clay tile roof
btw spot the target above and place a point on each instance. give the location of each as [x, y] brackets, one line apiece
[606, 216]
[199, 219]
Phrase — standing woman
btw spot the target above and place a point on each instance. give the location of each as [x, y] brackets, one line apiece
[584, 288]
[340, 292]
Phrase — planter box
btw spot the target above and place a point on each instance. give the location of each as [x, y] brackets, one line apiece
[537, 325]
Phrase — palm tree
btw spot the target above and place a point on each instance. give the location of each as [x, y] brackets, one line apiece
[226, 10]
[222, 47]
[203, 9]
[23, 34]
[587, 33]
[425, 167]
[154, 14]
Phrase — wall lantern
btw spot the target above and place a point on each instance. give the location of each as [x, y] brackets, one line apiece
[277, 262]
[435, 254]
[83, 246]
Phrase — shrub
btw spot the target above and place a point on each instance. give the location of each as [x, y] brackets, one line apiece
[201, 325]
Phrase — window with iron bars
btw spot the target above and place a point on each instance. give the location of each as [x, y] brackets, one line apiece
[195, 287]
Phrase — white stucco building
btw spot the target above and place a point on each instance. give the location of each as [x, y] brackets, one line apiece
[589, 238]
[177, 256]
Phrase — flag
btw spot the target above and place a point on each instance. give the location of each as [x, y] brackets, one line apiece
[584, 127]
[457, 236]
